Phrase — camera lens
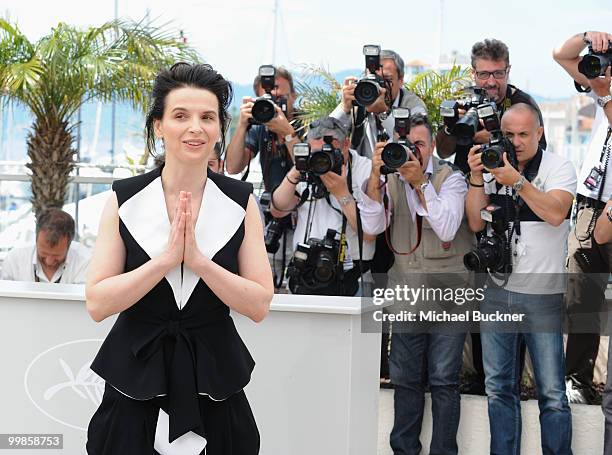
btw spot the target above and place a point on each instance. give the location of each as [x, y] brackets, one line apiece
[472, 261]
[320, 163]
[394, 155]
[324, 269]
[263, 110]
[492, 156]
[366, 92]
[466, 127]
[274, 232]
[592, 66]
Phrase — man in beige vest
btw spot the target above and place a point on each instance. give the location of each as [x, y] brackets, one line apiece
[430, 194]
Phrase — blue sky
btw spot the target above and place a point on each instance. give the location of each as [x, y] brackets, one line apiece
[236, 35]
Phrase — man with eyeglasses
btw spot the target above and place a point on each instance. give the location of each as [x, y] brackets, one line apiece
[490, 70]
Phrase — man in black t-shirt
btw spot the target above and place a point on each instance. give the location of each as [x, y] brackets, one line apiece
[490, 70]
[273, 141]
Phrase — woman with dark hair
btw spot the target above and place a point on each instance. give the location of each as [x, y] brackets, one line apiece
[178, 248]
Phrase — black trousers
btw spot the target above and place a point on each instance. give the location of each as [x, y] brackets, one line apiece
[124, 426]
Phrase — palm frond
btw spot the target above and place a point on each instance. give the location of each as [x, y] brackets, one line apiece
[434, 87]
[318, 93]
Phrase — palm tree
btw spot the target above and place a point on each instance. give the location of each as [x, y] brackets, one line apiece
[433, 87]
[68, 67]
[316, 101]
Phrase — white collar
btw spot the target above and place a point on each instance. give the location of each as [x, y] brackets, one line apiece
[38, 269]
[397, 98]
[146, 218]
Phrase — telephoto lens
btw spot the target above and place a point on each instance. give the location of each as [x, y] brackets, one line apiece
[466, 127]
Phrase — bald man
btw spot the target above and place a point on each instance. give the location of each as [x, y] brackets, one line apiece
[541, 189]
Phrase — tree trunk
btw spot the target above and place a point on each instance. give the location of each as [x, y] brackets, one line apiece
[52, 159]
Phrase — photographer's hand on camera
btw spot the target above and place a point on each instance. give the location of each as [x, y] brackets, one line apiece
[279, 124]
[476, 197]
[379, 106]
[482, 137]
[336, 184]
[412, 171]
[599, 40]
[245, 112]
[601, 85]
[475, 164]
[506, 174]
[348, 93]
[237, 155]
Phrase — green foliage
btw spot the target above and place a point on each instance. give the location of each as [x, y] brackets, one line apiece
[54, 76]
[316, 102]
[434, 87]
[69, 66]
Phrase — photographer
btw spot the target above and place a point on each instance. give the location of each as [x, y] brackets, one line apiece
[490, 71]
[535, 198]
[274, 140]
[426, 200]
[331, 206]
[588, 261]
[372, 119]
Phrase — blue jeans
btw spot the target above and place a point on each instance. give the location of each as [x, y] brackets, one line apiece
[418, 358]
[501, 365]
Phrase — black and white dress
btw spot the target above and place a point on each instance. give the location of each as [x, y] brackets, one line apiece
[174, 364]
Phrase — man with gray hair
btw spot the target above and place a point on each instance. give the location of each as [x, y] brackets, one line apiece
[54, 258]
[371, 120]
[334, 209]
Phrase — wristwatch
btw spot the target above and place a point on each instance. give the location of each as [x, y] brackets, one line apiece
[345, 200]
[290, 137]
[603, 100]
[519, 184]
[609, 213]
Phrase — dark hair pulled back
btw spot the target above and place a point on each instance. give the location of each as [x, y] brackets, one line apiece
[187, 75]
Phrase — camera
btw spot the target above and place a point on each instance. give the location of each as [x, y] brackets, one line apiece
[492, 252]
[318, 162]
[315, 263]
[493, 151]
[395, 154]
[368, 87]
[274, 227]
[264, 107]
[594, 64]
[478, 107]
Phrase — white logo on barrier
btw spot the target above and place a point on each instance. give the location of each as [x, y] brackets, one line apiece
[61, 385]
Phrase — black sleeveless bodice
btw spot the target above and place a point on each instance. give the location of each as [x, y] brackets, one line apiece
[179, 340]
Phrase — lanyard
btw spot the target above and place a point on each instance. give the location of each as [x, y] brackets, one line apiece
[37, 279]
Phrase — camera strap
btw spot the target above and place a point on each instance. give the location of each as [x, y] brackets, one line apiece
[349, 180]
[605, 152]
